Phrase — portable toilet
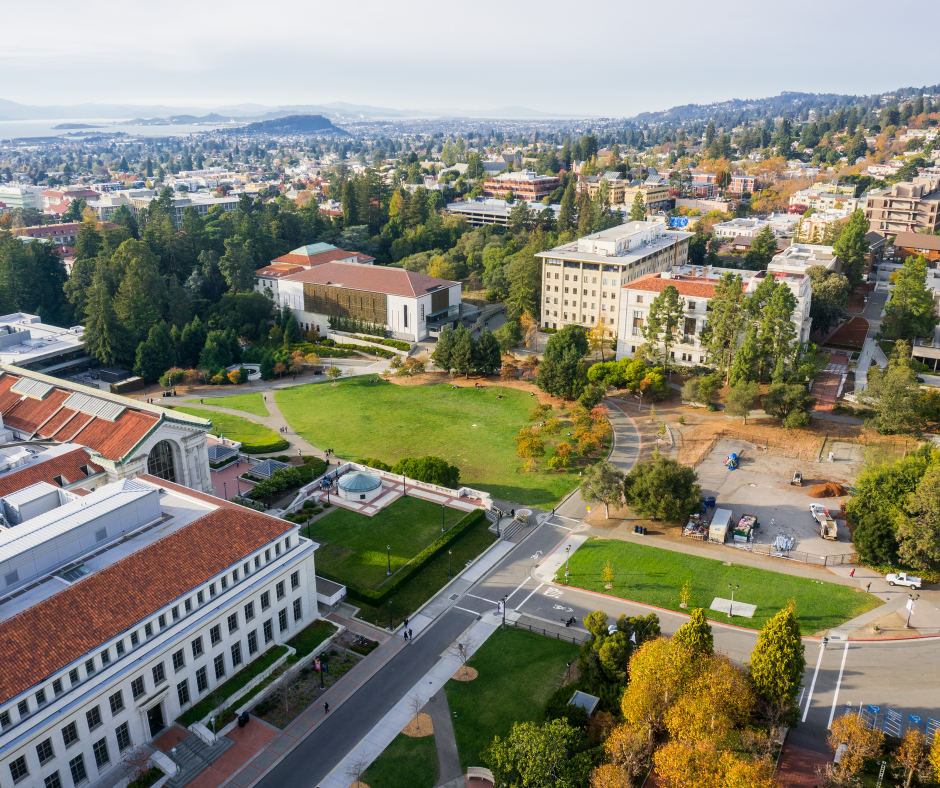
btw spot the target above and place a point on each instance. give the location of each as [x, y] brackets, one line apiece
[721, 522]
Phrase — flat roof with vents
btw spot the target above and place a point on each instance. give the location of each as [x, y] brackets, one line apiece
[28, 387]
[94, 406]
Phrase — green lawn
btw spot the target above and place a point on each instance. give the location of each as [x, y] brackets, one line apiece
[518, 671]
[256, 438]
[654, 576]
[468, 427]
[430, 578]
[406, 763]
[250, 403]
[353, 545]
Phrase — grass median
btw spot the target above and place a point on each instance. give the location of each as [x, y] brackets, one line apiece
[250, 403]
[655, 576]
[255, 438]
[408, 762]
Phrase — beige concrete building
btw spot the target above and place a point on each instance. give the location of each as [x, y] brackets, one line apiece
[581, 280]
[905, 207]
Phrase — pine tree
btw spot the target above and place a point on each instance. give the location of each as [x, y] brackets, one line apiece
[720, 335]
[911, 311]
[696, 634]
[638, 209]
[746, 358]
[192, 342]
[103, 334]
[665, 316]
[238, 266]
[777, 661]
[155, 355]
[566, 211]
[350, 202]
[444, 349]
[489, 358]
[461, 358]
[292, 334]
[853, 248]
[777, 337]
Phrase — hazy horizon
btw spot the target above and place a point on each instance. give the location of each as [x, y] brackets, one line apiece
[619, 61]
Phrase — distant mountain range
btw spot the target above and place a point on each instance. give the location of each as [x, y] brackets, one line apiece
[159, 114]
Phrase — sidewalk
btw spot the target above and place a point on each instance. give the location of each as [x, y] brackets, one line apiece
[245, 773]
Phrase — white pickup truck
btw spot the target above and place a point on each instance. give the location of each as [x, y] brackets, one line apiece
[903, 579]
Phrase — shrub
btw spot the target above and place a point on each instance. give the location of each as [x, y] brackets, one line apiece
[218, 379]
[278, 444]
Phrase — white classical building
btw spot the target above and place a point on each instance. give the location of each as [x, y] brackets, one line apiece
[121, 608]
[123, 436]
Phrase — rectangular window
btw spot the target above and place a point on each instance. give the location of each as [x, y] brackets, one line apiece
[161, 620]
[148, 630]
[249, 611]
[265, 600]
[100, 748]
[297, 612]
[123, 734]
[116, 702]
[200, 596]
[197, 647]
[70, 734]
[287, 543]
[89, 666]
[406, 315]
[159, 674]
[176, 612]
[267, 556]
[18, 769]
[137, 687]
[252, 642]
[246, 568]
[639, 299]
[691, 306]
[188, 605]
[279, 589]
[22, 708]
[94, 718]
[294, 580]
[57, 687]
[233, 622]
[202, 681]
[135, 640]
[119, 648]
[215, 634]
[224, 581]
[178, 661]
[77, 767]
[211, 589]
[234, 575]
[44, 751]
[282, 620]
[268, 631]
[53, 781]
[40, 697]
[182, 692]
[236, 654]
[277, 548]
[219, 665]
[257, 562]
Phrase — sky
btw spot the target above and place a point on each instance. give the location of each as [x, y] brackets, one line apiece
[600, 58]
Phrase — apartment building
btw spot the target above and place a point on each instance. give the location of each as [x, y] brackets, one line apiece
[916, 244]
[616, 186]
[798, 258]
[655, 193]
[524, 185]
[905, 207]
[582, 280]
[742, 183]
[492, 211]
[744, 227]
[122, 608]
[696, 287]
[822, 200]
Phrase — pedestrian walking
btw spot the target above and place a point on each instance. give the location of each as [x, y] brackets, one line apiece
[406, 622]
[868, 588]
[411, 635]
[326, 707]
[852, 573]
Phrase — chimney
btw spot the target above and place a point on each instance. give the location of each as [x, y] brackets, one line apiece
[704, 270]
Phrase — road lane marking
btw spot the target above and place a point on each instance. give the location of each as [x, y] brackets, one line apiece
[835, 699]
[517, 588]
[812, 686]
[473, 612]
[529, 597]
[552, 592]
[481, 597]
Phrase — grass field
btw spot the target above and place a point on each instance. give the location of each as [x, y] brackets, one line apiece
[406, 763]
[654, 576]
[256, 438]
[430, 578]
[468, 427]
[353, 545]
[518, 670]
[250, 403]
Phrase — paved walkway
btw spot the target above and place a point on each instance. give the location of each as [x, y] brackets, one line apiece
[870, 350]
[447, 757]
[798, 766]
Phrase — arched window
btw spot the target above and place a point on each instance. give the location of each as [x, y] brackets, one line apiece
[160, 462]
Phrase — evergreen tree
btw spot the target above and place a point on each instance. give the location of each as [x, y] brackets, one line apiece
[696, 634]
[489, 358]
[895, 394]
[567, 209]
[585, 214]
[462, 354]
[88, 243]
[777, 661]
[192, 342]
[217, 353]
[292, 334]
[911, 312]
[562, 371]
[762, 251]
[746, 359]
[709, 134]
[103, 338]
[638, 209]
[444, 349]
[777, 337]
[350, 202]
[853, 248]
[238, 266]
[155, 355]
[665, 316]
[720, 335]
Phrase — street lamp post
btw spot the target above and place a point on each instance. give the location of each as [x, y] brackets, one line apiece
[390, 622]
[443, 512]
[225, 489]
[505, 597]
[450, 573]
[388, 550]
[910, 610]
[731, 608]
[567, 556]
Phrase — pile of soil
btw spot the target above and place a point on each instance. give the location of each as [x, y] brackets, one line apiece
[827, 490]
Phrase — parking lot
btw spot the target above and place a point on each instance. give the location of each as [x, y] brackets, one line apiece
[761, 487]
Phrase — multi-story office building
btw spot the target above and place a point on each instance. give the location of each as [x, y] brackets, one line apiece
[696, 288]
[21, 196]
[492, 211]
[581, 280]
[123, 607]
[905, 207]
[201, 202]
[822, 199]
[524, 185]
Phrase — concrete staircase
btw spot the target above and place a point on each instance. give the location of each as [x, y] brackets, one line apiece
[193, 756]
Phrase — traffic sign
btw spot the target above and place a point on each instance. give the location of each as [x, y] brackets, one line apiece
[914, 718]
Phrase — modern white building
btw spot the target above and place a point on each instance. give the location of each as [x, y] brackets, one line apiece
[122, 608]
[25, 341]
[21, 196]
[799, 258]
[582, 280]
[408, 304]
[125, 437]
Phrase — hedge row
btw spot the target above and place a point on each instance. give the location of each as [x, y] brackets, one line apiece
[279, 444]
[376, 598]
[395, 343]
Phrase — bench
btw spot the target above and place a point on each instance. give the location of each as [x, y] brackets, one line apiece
[480, 773]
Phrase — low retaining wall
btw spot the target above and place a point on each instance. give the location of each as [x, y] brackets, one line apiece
[348, 339]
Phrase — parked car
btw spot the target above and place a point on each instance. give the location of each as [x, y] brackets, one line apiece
[903, 579]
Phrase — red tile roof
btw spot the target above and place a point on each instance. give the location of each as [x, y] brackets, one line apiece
[278, 270]
[308, 260]
[68, 465]
[113, 440]
[371, 278]
[697, 286]
[99, 607]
